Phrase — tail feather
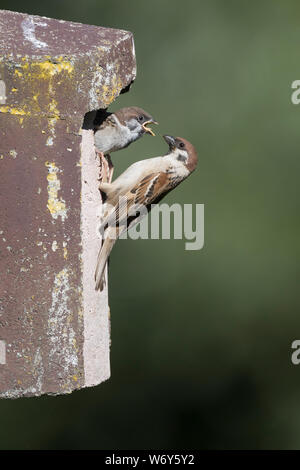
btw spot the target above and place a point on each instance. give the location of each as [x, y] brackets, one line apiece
[101, 262]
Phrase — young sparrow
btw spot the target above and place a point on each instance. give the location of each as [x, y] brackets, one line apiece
[144, 183]
[116, 131]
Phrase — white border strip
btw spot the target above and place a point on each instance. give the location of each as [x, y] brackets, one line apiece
[95, 303]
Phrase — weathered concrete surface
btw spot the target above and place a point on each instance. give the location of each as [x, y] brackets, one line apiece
[54, 327]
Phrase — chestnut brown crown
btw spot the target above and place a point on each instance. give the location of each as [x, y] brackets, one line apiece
[133, 112]
[184, 148]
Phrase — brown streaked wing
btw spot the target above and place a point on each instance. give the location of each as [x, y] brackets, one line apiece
[155, 187]
[152, 188]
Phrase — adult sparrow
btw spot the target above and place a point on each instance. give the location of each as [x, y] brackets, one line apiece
[143, 184]
[115, 131]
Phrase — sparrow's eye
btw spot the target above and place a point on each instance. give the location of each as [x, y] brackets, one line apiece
[141, 118]
[181, 145]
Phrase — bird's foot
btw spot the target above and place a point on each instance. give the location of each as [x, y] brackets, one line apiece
[104, 170]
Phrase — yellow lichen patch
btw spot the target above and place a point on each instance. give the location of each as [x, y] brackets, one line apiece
[75, 378]
[111, 92]
[53, 111]
[65, 251]
[36, 76]
[74, 342]
[56, 205]
[48, 67]
[16, 111]
[56, 208]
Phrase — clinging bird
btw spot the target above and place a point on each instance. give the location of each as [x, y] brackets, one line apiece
[144, 183]
[118, 130]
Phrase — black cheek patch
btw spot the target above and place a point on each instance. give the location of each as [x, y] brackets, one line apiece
[181, 158]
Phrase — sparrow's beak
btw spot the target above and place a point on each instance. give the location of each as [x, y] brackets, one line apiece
[148, 130]
[170, 141]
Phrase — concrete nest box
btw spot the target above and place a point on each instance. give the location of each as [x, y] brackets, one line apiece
[54, 326]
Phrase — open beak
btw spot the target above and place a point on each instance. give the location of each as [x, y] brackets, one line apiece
[148, 130]
[170, 141]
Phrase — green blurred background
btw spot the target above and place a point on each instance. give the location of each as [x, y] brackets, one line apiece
[201, 340]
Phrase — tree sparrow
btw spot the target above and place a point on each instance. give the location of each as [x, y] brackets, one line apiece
[116, 131]
[144, 183]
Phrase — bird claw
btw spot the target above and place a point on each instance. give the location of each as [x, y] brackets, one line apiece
[103, 176]
[106, 167]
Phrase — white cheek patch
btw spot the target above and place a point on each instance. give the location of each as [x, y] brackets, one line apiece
[132, 124]
[182, 155]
